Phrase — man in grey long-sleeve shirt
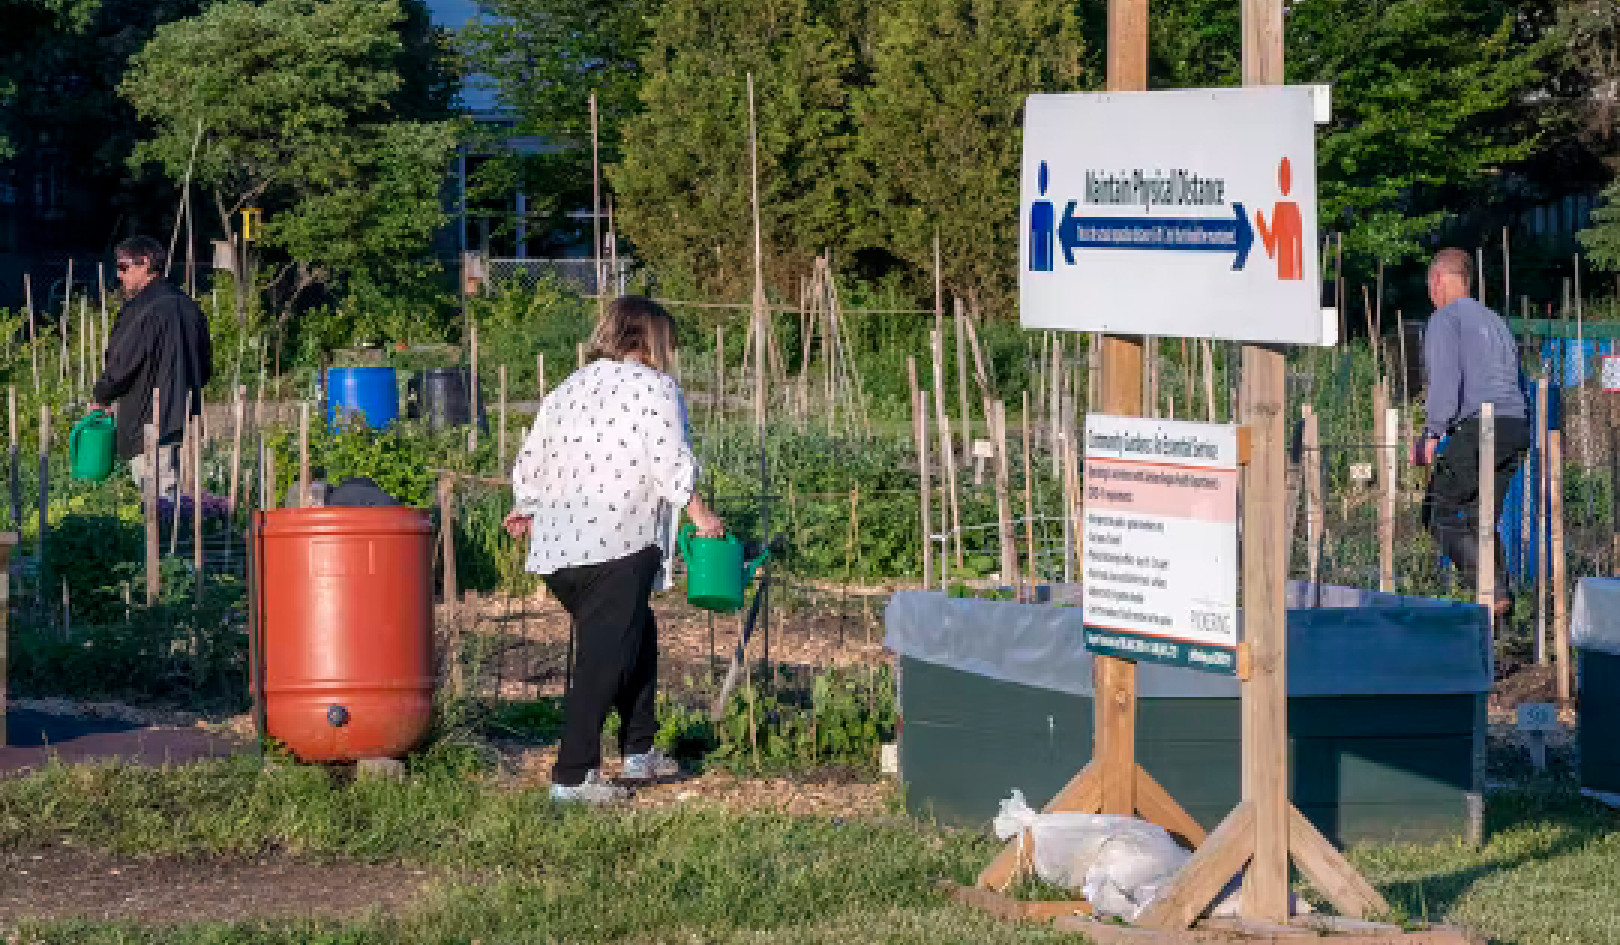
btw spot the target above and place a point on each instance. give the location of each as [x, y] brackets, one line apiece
[1470, 359]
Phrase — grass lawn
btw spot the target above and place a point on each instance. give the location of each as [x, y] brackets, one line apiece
[518, 869]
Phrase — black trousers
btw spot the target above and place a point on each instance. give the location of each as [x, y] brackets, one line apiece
[615, 659]
[1451, 505]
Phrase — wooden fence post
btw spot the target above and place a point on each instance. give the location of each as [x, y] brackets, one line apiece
[1560, 600]
[919, 432]
[1386, 499]
[154, 585]
[44, 500]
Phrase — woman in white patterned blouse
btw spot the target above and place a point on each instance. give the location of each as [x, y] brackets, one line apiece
[596, 487]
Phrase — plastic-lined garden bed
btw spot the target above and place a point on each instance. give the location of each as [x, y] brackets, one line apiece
[1387, 700]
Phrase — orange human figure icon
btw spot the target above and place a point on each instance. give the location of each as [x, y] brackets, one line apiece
[1284, 239]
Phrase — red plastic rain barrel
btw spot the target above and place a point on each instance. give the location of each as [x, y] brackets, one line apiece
[345, 616]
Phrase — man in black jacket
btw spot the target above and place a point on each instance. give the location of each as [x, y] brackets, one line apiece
[160, 341]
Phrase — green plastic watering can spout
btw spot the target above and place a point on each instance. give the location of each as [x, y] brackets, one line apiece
[754, 565]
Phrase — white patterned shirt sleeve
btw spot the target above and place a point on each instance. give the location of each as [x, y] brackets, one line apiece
[607, 458]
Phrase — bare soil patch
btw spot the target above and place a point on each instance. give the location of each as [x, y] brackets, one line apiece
[63, 882]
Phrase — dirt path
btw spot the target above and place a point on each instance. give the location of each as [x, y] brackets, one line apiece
[61, 882]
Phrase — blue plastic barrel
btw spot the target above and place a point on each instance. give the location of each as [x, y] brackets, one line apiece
[370, 391]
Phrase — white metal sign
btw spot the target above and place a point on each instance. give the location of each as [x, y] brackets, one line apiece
[1161, 543]
[1189, 213]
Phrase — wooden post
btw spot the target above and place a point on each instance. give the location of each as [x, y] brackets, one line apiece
[197, 559]
[1029, 501]
[500, 437]
[1542, 536]
[947, 452]
[579, 354]
[919, 432]
[1560, 596]
[1311, 460]
[540, 375]
[1485, 517]
[15, 457]
[43, 553]
[963, 416]
[33, 331]
[153, 572]
[238, 414]
[1387, 453]
[1009, 540]
[472, 396]
[303, 453]
[447, 546]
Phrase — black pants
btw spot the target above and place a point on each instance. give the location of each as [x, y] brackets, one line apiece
[1451, 506]
[615, 659]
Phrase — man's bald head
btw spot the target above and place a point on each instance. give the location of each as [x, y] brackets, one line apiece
[1451, 276]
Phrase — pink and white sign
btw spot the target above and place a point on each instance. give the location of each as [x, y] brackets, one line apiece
[1160, 542]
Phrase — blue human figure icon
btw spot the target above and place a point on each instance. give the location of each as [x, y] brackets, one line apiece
[1040, 228]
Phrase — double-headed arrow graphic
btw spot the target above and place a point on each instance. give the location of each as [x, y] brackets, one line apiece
[1176, 234]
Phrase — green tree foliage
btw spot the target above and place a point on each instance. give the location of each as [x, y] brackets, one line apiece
[548, 57]
[941, 131]
[683, 183]
[1592, 29]
[1428, 101]
[305, 111]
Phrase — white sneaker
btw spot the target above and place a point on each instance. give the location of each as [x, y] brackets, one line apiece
[592, 790]
[651, 765]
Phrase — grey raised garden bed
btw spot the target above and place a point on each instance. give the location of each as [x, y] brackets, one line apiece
[1386, 720]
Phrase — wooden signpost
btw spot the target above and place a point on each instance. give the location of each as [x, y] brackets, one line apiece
[1265, 832]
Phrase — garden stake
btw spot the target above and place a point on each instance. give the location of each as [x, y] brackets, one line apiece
[197, 506]
[238, 412]
[500, 438]
[1484, 519]
[44, 497]
[1543, 536]
[1029, 501]
[472, 392]
[540, 374]
[180, 482]
[1560, 599]
[33, 347]
[15, 457]
[153, 573]
[947, 453]
[1386, 505]
[919, 433]
[1311, 461]
[1009, 541]
[303, 453]
[963, 416]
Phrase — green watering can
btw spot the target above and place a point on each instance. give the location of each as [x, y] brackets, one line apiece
[90, 446]
[715, 571]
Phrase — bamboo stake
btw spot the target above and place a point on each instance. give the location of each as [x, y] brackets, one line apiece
[1029, 503]
[1386, 504]
[596, 217]
[1209, 378]
[238, 412]
[919, 433]
[101, 287]
[540, 375]
[1372, 332]
[84, 319]
[717, 400]
[760, 316]
[1560, 598]
[154, 577]
[947, 451]
[1485, 518]
[1542, 534]
[181, 479]
[1009, 541]
[43, 554]
[472, 395]
[64, 358]
[500, 436]
[197, 559]
[303, 453]
[579, 354]
[269, 493]
[1053, 410]
[15, 457]
[33, 348]
[1311, 457]
[964, 416]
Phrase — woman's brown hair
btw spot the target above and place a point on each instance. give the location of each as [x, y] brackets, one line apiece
[634, 325]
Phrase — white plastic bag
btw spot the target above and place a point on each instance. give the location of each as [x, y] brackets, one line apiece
[1117, 863]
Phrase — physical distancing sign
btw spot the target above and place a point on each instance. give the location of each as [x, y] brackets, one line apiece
[1186, 213]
